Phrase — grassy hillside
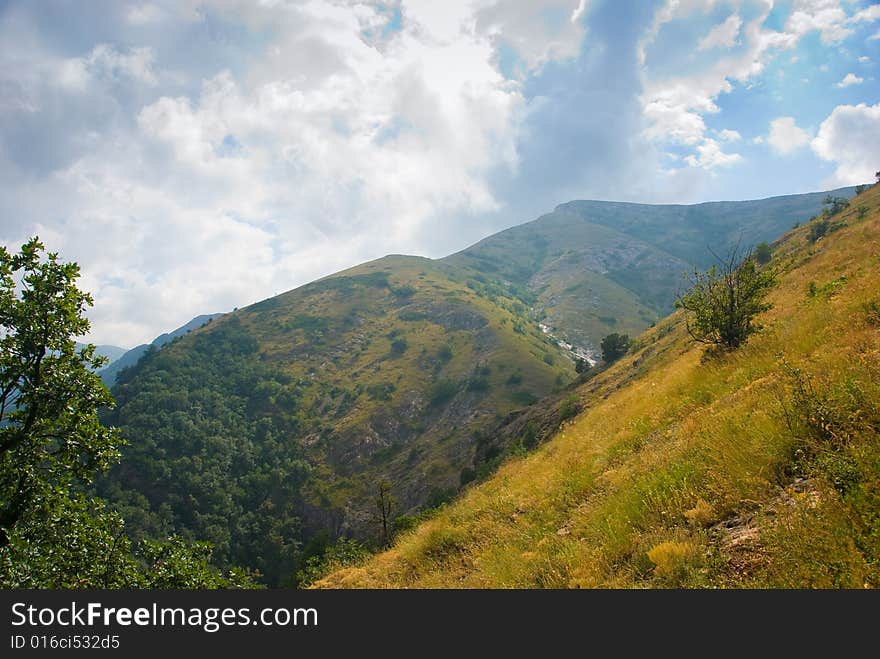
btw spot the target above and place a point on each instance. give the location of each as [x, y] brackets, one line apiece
[272, 426]
[757, 468]
[591, 268]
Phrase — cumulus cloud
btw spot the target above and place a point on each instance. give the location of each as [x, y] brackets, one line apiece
[723, 35]
[825, 16]
[785, 136]
[729, 135]
[850, 138]
[850, 79]
[676, 105]
[709, 156]
[340, 133]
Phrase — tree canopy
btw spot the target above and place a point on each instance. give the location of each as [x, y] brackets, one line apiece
[53, 534]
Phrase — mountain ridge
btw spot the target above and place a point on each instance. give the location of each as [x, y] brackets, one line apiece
[751, 468]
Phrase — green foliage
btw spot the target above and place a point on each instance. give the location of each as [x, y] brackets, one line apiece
[52, 535]
[834, 205]
[399, 346]
[862, 212]
[723, 301]
[442, 391]
[569, 408]
[763, 253]
[342, 553]
[381, 391]
[216, 427]
[444, 354]
[50, 435]
[818, 229]
[614, 346]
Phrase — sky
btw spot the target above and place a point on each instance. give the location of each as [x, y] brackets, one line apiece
[194, 157]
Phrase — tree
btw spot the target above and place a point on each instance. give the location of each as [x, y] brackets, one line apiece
[834, 205]
[384, 505]
[614, 346]
[722, 302]
[52, 443]
[50, 435]
[763, 253]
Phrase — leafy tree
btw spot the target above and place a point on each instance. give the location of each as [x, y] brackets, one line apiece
[723, 301]
[763, 253]
[614, 346]
[50, 435]
[52, 534]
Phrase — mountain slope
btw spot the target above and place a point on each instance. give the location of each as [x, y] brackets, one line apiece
[760, 467]
[269, 431]
[130, 357]
[591, 268]
[274, 424]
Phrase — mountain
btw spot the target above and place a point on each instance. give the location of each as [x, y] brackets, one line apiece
[130, 357]
[272, 430]
[112, 353]
[591, 268]
[686, 468]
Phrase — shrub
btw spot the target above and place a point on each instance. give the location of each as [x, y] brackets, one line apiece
[614, 346]
[443, 391]
[399, 346]
[722, 302]
[763, 253]
[818, 229]
[569, 408]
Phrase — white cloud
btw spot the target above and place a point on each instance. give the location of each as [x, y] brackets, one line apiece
[867, 15]
[825, 16]
[850, 137]
[723, 35]
[864, 59]
[333, 145]
[875, 36]
[729, 135]
[850, 79]
[107, 62]
[711, 156]
[758, 140]
[785, 136]
[144, 14]
[525, 26]
[675, 105]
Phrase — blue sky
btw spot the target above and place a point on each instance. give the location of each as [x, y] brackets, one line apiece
[197, 156]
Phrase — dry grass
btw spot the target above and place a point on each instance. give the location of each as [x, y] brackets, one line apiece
[672, 445]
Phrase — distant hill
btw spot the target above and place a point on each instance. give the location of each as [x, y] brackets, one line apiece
[268, 431]
[112, 353]
[127, 358]
[756, 468]
[591, 268]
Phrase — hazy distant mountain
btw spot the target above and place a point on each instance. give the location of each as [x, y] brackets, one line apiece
[130, 357]
[110, 352]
